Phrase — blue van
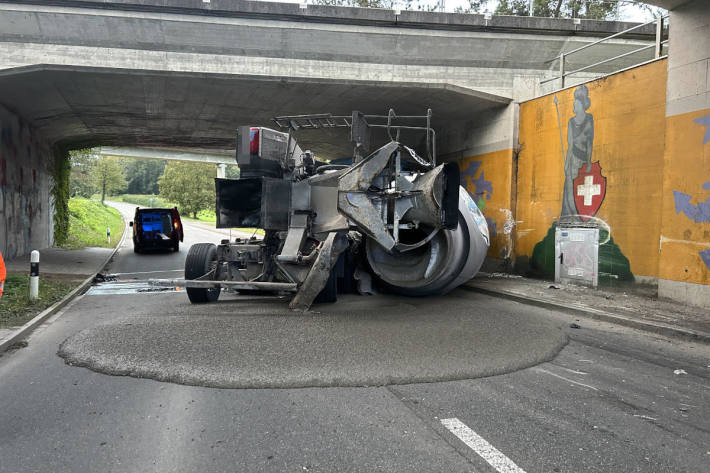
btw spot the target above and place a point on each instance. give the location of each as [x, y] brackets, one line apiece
[156, 229]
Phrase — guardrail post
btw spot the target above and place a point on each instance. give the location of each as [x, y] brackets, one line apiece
[562, 71]
[659, 37]
[34, 275]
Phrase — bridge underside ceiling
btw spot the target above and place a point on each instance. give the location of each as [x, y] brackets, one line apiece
[77, 108]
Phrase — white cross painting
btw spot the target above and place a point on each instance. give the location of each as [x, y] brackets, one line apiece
[589, 190]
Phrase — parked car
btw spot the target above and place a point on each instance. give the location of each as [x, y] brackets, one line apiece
[156, 229]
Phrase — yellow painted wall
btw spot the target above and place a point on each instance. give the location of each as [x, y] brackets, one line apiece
[686, 223]
[629, 125]
[487, 177]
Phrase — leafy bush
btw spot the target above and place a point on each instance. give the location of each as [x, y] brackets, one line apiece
[60, 195]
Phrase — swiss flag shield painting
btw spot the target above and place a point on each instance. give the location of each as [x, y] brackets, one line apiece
[589, 190]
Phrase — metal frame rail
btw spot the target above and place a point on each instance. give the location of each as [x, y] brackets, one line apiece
[658, 50]
[327, 120]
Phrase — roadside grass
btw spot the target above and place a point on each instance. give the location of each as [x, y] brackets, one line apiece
[15, 307]
[209, 216]
[144, 200]
[88, 220]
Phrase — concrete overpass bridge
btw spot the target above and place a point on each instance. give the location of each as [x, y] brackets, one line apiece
[186, 73]
[220, 157]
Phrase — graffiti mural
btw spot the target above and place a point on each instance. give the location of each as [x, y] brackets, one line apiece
[700, 212]
[583, 193]
[705, 255]
[705, 121]
[697, 213]
[482, 190]
[584, 187]
[487, 178]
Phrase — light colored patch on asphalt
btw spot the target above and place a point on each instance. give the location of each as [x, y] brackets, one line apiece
[128, 287]
[478, 444]
[359, 341]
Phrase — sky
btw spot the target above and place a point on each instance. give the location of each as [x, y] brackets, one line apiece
[626, 13]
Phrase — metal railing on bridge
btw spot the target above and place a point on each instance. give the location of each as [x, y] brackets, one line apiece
[658, 45]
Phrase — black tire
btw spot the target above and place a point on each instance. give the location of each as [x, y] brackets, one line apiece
[136, 248]
[200, 260]
[176, 246]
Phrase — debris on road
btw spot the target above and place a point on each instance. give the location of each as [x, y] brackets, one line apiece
[105, 278]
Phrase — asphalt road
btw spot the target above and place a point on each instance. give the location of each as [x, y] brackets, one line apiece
[612, 400]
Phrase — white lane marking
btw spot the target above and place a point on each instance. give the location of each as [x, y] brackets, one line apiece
[572, 371]
[645, 417]
[566, 379]
[478, 444]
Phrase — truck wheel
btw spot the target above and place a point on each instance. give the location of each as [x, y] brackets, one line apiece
[200, 260]
[176, 246]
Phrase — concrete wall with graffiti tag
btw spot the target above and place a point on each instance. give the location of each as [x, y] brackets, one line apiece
[629, 153]
[484, 153]
[684, 268]
[488, 178]
[26, 219]
[594, 154]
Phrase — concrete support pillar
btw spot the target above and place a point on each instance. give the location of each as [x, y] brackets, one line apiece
[221, 171]
[684, 268]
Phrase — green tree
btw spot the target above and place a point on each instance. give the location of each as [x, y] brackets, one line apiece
[81, 182]
[143, 175]
[107, 176]
[474, 6]
[232, 171]
[588, 9]
[513, 7]
[422, 5]
[189, 185]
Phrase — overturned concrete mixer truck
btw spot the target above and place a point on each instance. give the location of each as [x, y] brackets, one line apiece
[389, 219]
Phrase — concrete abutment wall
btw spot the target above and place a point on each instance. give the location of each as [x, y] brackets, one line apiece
[684, 248]
[646, 131]
[26, 209]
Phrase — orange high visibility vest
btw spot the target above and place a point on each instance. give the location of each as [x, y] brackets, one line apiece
[3, 274]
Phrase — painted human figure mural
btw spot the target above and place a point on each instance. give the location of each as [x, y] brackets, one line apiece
[582, 196]
[580, 142]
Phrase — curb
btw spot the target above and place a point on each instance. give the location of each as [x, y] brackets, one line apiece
[584, 311]
[25, 330]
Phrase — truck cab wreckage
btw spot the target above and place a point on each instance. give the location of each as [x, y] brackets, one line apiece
[391, 216]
